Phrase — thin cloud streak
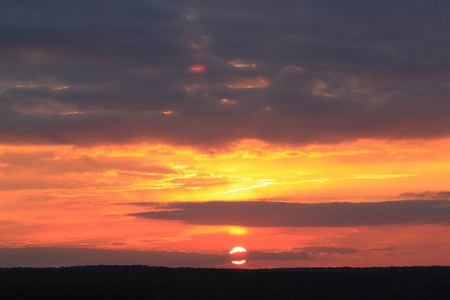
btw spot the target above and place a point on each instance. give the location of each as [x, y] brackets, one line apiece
[306, 253]
[282, 214]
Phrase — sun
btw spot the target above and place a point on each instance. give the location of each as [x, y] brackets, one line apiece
[238, 255]
[237, 250]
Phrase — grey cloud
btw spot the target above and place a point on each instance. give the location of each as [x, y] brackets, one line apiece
[282, 214]
[94, 29]
[368, 70]
[362, 33]
[306, 253]
[56, 257]
[284, 255]
[434, 195]
[389, 248]
[330, 250]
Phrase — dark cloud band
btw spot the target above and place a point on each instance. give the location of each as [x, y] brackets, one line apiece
[281, 214]
[301, 72]
[57, 257]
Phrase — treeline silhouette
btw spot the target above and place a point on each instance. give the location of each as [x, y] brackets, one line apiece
[143, 282]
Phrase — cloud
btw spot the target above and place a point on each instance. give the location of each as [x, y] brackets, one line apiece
[435, 195]
[282, 214]
[57, 257]
[329, 250]
[331, 71]
[306, 253]
[47, 162]
[283, 255]
[389, 248]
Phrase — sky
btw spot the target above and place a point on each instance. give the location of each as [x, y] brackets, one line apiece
[311, 133]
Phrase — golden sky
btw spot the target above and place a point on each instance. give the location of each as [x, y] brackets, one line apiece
[86, 197]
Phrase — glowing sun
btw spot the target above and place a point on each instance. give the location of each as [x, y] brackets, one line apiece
[238, 255]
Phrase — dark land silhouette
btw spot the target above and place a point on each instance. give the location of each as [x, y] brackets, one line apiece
[143, 282]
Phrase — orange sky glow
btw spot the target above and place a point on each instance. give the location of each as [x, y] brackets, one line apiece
[66, 196]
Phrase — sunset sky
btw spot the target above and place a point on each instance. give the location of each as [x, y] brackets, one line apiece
[158, 132]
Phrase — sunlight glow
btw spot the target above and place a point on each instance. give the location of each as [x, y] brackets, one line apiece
[249, 83]
[227, 101]
[60, 192]
[197, 69]
[239, 64]
[73, 113]
[237, 230]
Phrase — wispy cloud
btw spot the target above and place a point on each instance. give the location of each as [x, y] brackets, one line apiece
[435, 195]
[306, 253]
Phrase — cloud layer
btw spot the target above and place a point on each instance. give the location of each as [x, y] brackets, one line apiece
[53, 256]
[281, 214]
[56, 257]
[301, 72]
